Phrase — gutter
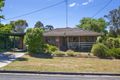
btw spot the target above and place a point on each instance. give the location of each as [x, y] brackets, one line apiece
[61, 73]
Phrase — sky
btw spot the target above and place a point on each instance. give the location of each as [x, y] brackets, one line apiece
[56, 15]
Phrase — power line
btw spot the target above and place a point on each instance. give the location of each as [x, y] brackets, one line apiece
[36, 10]
[101, 9]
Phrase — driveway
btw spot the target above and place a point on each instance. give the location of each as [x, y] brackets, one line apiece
[8, 57]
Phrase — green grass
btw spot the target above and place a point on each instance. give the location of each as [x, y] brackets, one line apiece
[65, 64]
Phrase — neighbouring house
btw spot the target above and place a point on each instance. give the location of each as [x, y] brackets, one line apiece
[16, 40]
[71, 38]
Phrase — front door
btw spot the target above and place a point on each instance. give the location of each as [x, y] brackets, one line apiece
[64, 43]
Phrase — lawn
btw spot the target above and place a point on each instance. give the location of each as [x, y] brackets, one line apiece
[65, 64]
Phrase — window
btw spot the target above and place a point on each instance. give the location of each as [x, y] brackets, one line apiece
[73, 39]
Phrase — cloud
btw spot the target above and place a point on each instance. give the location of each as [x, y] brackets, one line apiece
[72, 4]
[86, 3]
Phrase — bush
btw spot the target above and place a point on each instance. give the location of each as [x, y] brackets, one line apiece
[113, 43]
[100, 50]
[116, 43]
[59, 53]
[115, 52]
[110, 42]
[34, 40]
[50, 48]
[99, 39]
[70, 53]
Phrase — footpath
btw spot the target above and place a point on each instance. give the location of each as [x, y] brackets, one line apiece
[7, 57]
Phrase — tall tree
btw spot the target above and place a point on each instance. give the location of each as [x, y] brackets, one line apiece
[2, 2]
[97, 25]
[39, 24]
[19, 25]
[112, 32]
[49, 27]
[114, 20]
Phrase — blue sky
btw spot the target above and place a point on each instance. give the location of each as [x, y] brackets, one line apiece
[56, 16]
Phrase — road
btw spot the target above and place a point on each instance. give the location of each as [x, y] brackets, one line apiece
[10, 76]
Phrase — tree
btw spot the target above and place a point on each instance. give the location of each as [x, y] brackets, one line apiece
[97, 25]
[34, 40]
[39, 25]
[4, 39]
[114, 20]
[2, 2]
[6, 28]
[112, 32]
[19, 25]
[49, 27]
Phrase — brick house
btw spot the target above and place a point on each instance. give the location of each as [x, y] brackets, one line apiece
[71, 38]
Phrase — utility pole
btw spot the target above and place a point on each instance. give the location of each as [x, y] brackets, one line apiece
[66, 1]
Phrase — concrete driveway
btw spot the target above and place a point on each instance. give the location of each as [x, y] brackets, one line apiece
[8, 57]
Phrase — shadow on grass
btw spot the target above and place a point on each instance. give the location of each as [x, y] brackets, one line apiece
[21, 59]
[42, 55]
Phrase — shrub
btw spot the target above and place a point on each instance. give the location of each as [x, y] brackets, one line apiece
[115, 52]
[34, 40]
[85, 55]
[113, 43]
[99, 39]
[116, 43]
[50, 48]
[70, 53]
[100, 50]
[110, 42]
[59, 53]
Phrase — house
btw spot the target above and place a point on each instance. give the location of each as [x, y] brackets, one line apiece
[15, 41]
[71, 38]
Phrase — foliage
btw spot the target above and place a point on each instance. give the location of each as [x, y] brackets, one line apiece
[97, 25]
[113, 42]
[116, 43]
[49, 27]
[99, 39]
[114, 21]
[112, 32]
[19, 25]
[100, 50]
[2, 17]
[59, 53]
[110, 42]
[2, 3]
[50, 48]
[39, 24]
[115, 52]
[70, 53]
[5, 28]
[34, 40]
[4, 39]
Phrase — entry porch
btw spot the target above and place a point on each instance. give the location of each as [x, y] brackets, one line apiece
[76, 43]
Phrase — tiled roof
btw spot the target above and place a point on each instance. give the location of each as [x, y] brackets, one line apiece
[70, 32]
